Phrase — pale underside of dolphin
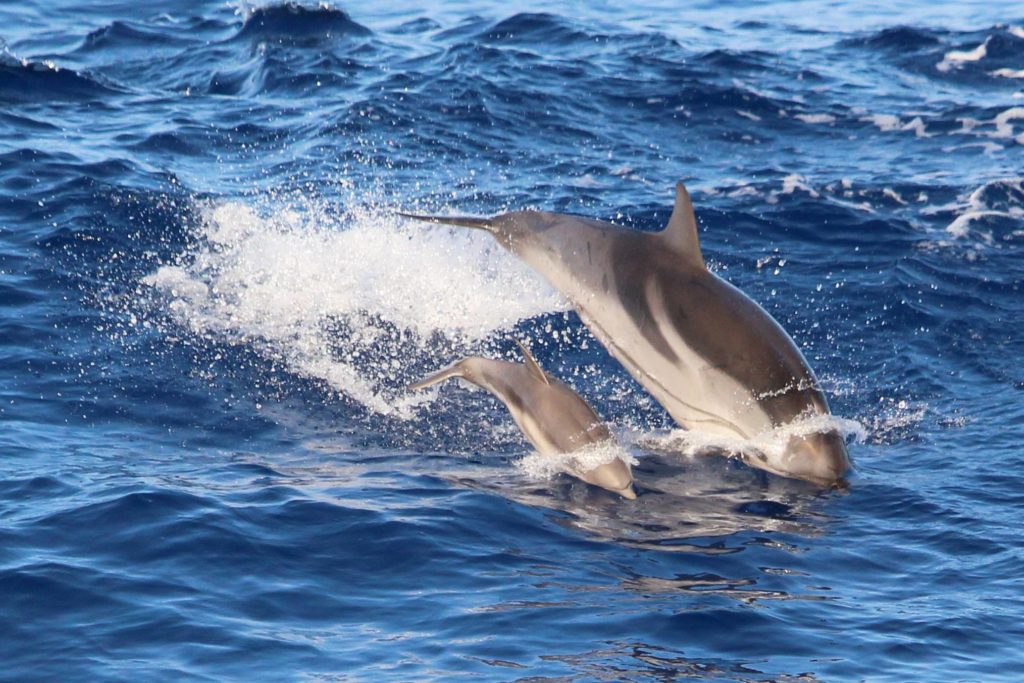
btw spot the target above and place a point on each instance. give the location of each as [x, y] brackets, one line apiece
[553, 417]
[716, 360]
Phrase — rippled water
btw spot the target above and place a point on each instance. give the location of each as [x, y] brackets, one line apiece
[210, 470]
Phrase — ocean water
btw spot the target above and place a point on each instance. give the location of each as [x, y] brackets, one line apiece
[210, 469]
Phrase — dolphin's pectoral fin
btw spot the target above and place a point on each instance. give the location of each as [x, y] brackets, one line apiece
[464, 221]
[454, 371]
[681, 232]
[532, 365]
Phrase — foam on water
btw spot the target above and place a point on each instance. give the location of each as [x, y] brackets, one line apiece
[771, 443]
[884, 122]
[350, 299]
[539, 467]
[1007, 73]
[997, 199]
[954, 58]
[816, 118]
[1004, 127]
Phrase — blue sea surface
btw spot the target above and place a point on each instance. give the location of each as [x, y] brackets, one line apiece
[210, 468]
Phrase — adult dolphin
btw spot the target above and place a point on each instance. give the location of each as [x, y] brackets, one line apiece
[710, 355]
[553, 417]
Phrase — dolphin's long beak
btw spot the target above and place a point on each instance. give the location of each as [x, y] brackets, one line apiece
[464, 221]
[454, 371]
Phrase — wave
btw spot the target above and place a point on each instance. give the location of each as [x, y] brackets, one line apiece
[998, 54]
[23, 80]
[534, 28]
[989, 56]
[551, 33]
[121, 35]
[992, 213]
[738, 60]
[896, 38]
[295, 22]
[273, 72]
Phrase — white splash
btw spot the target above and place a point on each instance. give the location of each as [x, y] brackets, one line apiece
[895, 416]
[1007, 73]
[349, 300]
[539, 467]
[771, 443]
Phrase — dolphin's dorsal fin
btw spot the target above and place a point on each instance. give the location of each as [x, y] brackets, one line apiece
[532, 365]
[681, 232]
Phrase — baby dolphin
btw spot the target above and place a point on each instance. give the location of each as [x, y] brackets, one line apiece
[552, 416]
[710, 355]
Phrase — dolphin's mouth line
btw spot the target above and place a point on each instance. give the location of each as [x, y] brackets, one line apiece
[628, 492]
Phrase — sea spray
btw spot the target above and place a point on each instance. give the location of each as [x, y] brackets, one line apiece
[537, 466]
[351, 299]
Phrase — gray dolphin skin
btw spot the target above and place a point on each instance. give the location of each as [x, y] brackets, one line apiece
[553, 417]
[710, 355]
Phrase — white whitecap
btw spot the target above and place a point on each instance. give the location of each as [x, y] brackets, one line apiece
[954, 58]
[978, 207]
[917, 126]
[794, 182]
[1007, 73]
[884, 122]
[815, 118]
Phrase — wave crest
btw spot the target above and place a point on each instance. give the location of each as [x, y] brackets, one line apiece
[295, 21]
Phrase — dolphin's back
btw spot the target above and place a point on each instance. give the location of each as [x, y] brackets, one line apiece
[712, 356]
[553, 417]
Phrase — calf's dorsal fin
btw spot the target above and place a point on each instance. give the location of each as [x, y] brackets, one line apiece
[532, 365]
[680, 234]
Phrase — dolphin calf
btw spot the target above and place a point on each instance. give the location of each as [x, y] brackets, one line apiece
[714, 359]
[553, 417]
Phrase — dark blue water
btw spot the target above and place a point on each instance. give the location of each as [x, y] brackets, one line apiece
[209, 469]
